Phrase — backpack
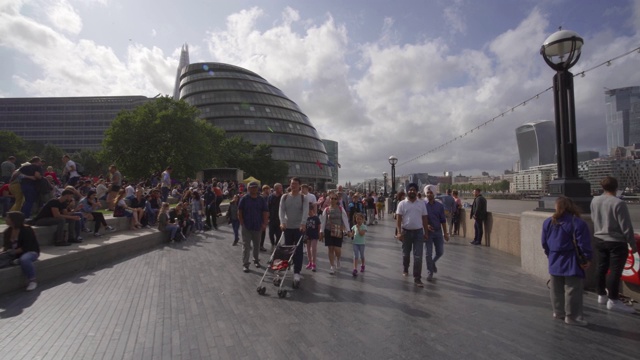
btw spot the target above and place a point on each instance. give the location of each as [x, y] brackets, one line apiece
[80, 169]
[284, 197]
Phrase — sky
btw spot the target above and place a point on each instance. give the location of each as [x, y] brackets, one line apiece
[380, 77]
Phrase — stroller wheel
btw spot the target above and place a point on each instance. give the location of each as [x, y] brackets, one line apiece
[262, 290]
[282, 293]
[277, 281]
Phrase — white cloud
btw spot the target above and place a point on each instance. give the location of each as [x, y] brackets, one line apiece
[64, 17]
[455, 18]
[154, 33]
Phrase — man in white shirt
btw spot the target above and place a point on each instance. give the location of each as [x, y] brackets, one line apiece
[165, 183]
[412, 228]
[70, 171]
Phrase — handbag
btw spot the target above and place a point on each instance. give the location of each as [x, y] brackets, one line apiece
[6, 259]
[581, 258]
[336, 231]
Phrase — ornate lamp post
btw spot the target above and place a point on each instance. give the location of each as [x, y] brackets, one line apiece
[384, 175]
[393, 161]
[561, 51]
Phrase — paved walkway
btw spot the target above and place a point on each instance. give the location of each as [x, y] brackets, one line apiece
[192, 301]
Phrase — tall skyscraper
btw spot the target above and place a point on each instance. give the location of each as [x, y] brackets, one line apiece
[622, 116]
[536, 143]
[184, 61]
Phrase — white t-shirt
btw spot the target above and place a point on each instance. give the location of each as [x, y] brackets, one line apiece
[311, 198]
[73, 173]
[130, 191]
[412, 213]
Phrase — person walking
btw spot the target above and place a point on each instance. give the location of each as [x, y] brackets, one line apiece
[273, 202]
[412, 227]
[232, 218]
[334, 222]
[253, 215]
[437, 230]
[165, 183]
[358, 230]
[294, 211]
[566, 241]
[613, 231]
[479, 214]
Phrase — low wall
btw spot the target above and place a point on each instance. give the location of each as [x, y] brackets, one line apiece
[502, 231]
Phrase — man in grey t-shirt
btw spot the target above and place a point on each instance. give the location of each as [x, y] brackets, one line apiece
[294, 211]
[8, 167]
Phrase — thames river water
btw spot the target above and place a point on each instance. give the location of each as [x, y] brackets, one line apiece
[516, 207]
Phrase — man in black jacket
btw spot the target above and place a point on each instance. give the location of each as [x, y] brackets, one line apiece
[479, 214]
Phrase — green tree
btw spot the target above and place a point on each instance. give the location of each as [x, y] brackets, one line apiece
[12, 144]
[91, 162]
[53, 157]
[160, 133]
[254, 160]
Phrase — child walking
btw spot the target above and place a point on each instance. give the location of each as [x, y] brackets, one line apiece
[313, 233]
[358, 230]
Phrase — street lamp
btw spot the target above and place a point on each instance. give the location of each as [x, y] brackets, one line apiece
[384, 175]
[561, 51]
[393, 161]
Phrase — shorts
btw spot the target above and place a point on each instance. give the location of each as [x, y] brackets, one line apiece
[115, 188]
[358, 251]
[331, 240]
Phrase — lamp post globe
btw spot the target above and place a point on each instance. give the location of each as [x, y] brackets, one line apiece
[393, 161]
[561, 51]
[384, 175]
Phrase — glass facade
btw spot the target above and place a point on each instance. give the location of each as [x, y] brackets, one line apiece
[622, 116]
[332, 152]
[71, 123]
[536, 144]
[244, 104]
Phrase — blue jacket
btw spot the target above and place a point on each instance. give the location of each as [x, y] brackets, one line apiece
[557, 242]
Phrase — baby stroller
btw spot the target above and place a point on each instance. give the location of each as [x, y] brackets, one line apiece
[281, 261]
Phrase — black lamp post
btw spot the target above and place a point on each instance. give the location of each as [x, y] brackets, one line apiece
[561, 51]
[384, 175]
[393, 161]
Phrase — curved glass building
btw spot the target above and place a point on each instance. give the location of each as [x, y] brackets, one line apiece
[243, 103]
[536, 143]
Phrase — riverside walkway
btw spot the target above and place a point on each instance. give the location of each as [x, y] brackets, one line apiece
[192, 301]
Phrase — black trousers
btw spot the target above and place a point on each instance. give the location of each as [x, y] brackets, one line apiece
[612, 255]
[98, 219]
[211, 216]
[274, 232]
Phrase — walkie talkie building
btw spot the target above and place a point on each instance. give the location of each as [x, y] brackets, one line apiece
[536, 143]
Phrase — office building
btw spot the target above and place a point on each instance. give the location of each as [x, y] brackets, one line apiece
[622, 117]
[536, 143]
[332, 152]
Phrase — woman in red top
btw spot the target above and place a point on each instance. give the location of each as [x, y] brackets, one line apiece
[52, 173]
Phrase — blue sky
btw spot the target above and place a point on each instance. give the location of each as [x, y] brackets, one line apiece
[381, 77]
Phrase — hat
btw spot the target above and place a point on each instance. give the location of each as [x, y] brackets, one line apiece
[431, 188]
[253, 184]
[412, 185]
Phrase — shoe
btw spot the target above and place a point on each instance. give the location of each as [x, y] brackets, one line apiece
[619, 306]
[355, 272]
[362, 268]
[245, 269]
[474, 243]
[87, 230]
[74, 241]
[337, 263]
[418, 282]
[32, 286]
[263, 249]
[15, 262]
[235, 243]
[80, 238]
[558, 317]
[430, 277]
[576, 322]
[147, 227]
[405, 273]
[309, 266]
[602, 299]
[66, 243]
[332, 271]
[110, 228]
[313, 267]
[96, 234]
[435, 269]
[257, 264]
[296, 280]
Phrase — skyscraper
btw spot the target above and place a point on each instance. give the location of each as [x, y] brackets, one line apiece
[184, 61]
[622, 116]
[536, 143]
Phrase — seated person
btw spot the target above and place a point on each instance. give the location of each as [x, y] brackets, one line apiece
[54, 212]
[123, 210]
[152, 206]
[20, 240]
[6, 199]
[87, 207]
[85, 187]
[101, 190]
[165, 224]
[138, 203]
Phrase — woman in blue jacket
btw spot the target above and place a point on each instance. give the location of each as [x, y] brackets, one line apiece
[566, 270]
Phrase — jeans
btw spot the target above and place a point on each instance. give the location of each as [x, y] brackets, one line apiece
[26, 263]
[211, 216]
[30, 197]
[235, 224]
[250, 241]
[152, 214]
[612, 255]
[478, 227]
[566, 296]
[436, 239]
[172, 229]
[198, 219]
[165, 193]
[370, 216]
[274, 232]
[413, 239]
[291, 237]
[5, 201]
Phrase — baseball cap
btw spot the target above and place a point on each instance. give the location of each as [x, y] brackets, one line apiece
[253, 184]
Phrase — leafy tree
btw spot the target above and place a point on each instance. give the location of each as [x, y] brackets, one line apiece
[12, 144]
[53, 157]
[159, 133]
[90, 160]
[254, 160]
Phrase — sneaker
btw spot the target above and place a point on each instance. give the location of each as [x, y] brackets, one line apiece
[80, 238]
[405, 273]
[15, 262]
[576, 322]
[66, 243]
[263, 249]
[619, 306]
[32, 286]
[110, 228]
[430, 276]
[309, 266]
[245, 269]
[435, 269]
[313, 267]
[96, 234]
[257, 264]
[337, 263]
[558, 317]
[332, 271]
[418, 282]
[296, 279]
[147, 227]
[235, 243]
[355, 272]
[87, 230]
[362, 268]
[602, 299]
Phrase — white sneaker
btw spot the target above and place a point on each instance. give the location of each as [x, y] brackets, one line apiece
[332, 271]
[619, 306]
[296, 278]
[337, 263]
[110, 228]
[602, 299]
[32, 286]
[577, 321]
[87, 230]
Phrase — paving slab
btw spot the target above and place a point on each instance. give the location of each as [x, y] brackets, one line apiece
[192, 301]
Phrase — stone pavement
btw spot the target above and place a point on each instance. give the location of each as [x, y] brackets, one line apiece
[192, 301]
